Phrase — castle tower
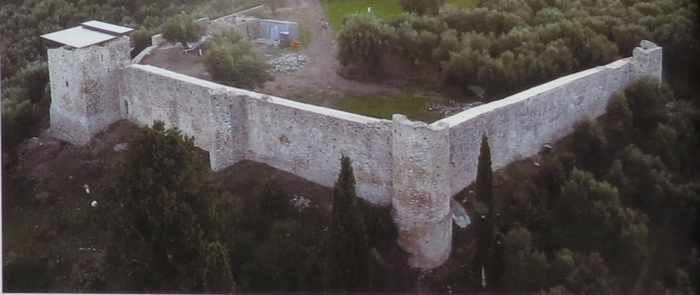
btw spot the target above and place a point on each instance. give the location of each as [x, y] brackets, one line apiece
[421, 191]
[86, 76]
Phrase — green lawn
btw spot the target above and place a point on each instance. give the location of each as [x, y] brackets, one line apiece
[414, 106]
[338, 9]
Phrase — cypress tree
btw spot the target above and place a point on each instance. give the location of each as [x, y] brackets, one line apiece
[347, 263]
[217, 271]
[487, 226]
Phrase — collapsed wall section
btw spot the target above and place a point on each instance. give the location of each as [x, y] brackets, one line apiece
[519, 125]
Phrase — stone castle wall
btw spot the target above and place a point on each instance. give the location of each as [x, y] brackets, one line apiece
[414, 167]
[234, 125]
[518, 126]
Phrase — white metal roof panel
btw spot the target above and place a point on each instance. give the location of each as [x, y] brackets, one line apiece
[78, 37]
[106, 28]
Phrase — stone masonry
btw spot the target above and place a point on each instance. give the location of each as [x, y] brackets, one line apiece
[413, 167]
[85, 87]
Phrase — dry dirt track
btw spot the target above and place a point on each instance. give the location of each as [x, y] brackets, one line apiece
[318, 82]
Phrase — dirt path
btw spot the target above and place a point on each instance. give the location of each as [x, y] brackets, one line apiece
[318, 82]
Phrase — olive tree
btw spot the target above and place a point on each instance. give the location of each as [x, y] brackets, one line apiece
[363, 39]
[182, 28]
[233, 61]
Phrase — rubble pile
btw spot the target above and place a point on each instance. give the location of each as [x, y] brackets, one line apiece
[288, 63]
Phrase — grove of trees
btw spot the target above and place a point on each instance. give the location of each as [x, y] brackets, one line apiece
[505, 45]
[232, 60]
[612, 212]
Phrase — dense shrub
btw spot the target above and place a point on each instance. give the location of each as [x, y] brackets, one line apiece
[233, 61]
[362, 41]
[140, 40]
[17, 121]
[182, 28]
[590, 147]
[162, 214]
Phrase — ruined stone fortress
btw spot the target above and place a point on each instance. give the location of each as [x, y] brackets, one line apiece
[414, 167]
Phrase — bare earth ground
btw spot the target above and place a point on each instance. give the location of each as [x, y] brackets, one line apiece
[317, 83]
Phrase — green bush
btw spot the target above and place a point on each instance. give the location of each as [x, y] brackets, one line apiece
[161, 213]
[363, 40]
[140, 40]
[591, 147]
[233, 61]
[17, 121]
[217, 275]
[182, 28]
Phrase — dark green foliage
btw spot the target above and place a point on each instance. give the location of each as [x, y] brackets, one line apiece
[363, 40]
[619, 123]
[487, 225]
[21, 95]
[648, 102]
[289, 257]
[26, 274]
[590, 146]
[348, 252]
[162, 195]
[590, 276]
[589, 211]
[30, 82]
[484, 176]
[17, 121]
[506, 45]
[182, 28]
[422, 6]
[616, 215]
[273, 247]
[140, 40]
[217, 271]
[525, 267]
[233, 61]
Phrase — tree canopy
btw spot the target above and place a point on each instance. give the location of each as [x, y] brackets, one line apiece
[233, 61]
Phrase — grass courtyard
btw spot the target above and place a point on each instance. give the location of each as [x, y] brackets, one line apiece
[410, 103]
[338, 9]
